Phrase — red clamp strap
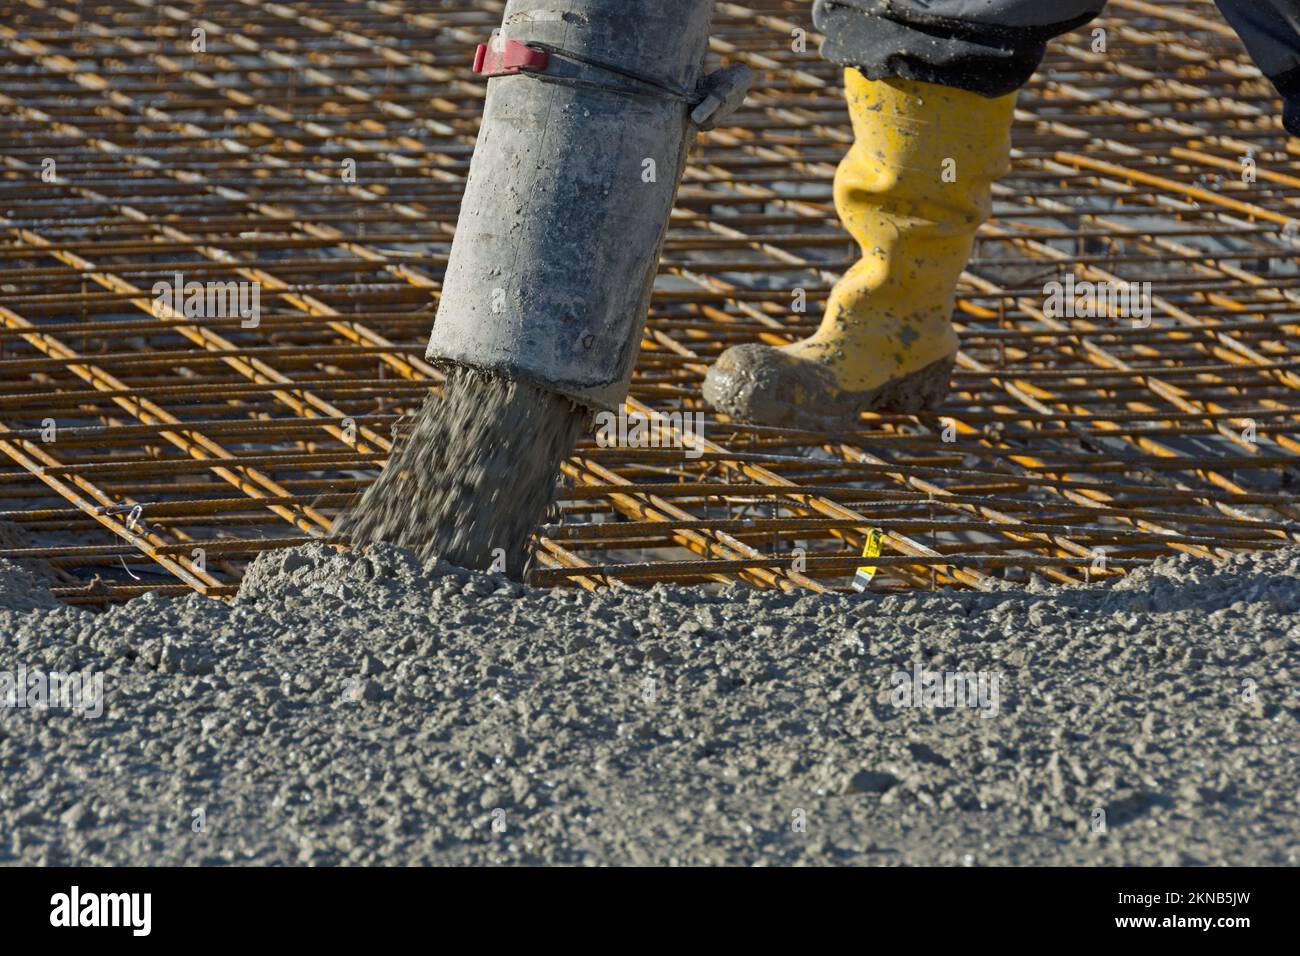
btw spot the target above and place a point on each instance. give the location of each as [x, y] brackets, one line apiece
[500, 58]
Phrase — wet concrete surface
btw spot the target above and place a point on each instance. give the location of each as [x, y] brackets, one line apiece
[376, 709]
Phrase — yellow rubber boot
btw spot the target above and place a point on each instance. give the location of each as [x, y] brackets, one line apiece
[912, 191]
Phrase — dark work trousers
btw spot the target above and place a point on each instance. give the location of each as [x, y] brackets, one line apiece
[992, 47]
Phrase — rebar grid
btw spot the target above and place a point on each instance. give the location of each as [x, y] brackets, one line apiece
[318, 150]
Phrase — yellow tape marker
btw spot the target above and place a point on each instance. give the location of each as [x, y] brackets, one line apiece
[871, 549]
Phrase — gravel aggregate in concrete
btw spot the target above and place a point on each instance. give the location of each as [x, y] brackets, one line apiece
[355, 708]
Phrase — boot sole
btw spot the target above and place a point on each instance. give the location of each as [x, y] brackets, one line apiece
[755, 388]
[924, 389]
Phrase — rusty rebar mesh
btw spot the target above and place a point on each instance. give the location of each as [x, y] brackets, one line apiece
[319, 150]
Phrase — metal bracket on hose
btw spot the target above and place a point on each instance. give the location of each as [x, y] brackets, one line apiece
[724, 90]
[717, 97]
[507, 57]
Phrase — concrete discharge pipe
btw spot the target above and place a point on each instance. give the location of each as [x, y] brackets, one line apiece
[591, 109]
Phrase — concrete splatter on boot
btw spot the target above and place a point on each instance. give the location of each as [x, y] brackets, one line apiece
[913, 190]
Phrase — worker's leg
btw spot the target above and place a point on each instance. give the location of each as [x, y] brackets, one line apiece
[990, 47]
[1271, 31]
[930, 92]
